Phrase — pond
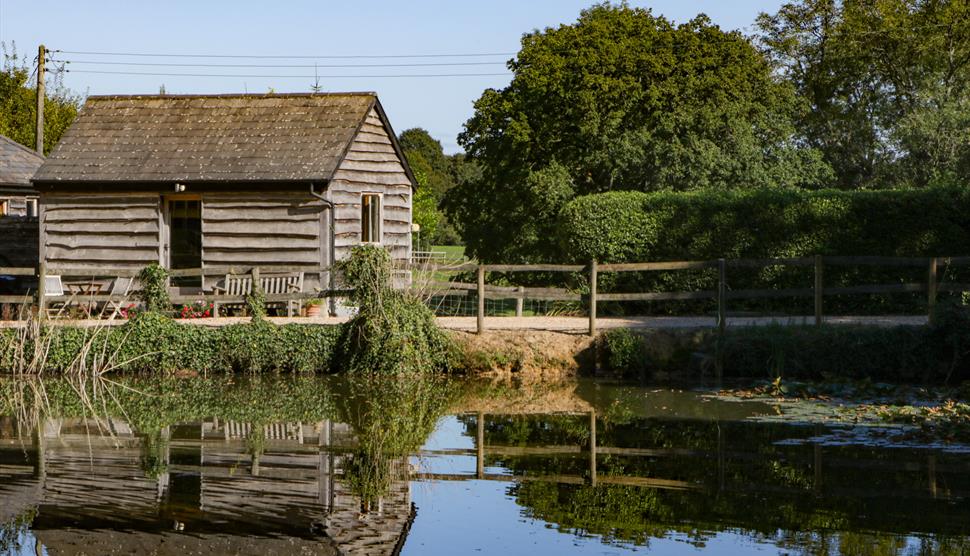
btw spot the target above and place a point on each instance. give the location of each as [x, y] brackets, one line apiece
[413, 466]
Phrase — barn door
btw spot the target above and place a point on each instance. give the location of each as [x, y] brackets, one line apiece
[183, 227]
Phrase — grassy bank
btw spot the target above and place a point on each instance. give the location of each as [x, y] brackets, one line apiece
[925, 354]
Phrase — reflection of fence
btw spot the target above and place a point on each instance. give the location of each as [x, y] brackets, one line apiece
[449, 297]
[720, 455]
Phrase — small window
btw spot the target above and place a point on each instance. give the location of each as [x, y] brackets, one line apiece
[32, 208]
[370, 218]
[4, 207]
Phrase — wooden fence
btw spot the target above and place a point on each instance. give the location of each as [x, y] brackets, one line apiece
[932, 286]
[722, 294]
[42, 299]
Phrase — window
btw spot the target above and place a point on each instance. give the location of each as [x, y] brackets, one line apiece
[370, 218]
[32, 208]
[4, 207]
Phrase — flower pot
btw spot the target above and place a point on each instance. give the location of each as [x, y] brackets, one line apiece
[312, 310]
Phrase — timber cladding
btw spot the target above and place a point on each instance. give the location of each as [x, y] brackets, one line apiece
[250, 229]
[83, 231]
[372, 166]
[254, 163]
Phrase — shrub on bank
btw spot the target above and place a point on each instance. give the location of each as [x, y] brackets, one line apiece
[923, 354]
[636, 227]
[152, 342]
[393, 331]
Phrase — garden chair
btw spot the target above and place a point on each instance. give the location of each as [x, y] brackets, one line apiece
[122, 287]
[53, 287]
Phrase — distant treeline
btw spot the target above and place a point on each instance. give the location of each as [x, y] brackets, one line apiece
[850, 95]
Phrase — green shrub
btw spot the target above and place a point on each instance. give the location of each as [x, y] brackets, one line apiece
[393, 331]
[634, 227]
[624, 352]
[897, 354]
[154, 288]
[155, 343]
[912, 354]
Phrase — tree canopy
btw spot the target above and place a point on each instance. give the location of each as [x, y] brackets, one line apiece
[436, 173]
[18, 103]
[887, 83]
[622, 100]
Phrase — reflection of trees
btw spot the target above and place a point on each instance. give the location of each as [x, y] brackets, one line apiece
[627, 514]
[745, 481]
[391, 416]
[13, 531]
[152, 458]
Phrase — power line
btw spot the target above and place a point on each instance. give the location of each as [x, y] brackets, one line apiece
[194, 65]
[159, 74]
[290, 57]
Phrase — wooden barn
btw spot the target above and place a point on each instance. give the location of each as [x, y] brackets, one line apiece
[286, 180]
[17, 166]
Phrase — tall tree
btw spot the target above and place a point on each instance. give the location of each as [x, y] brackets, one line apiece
[18, 103]
[887, 83]
[437, 173]
[622, 99]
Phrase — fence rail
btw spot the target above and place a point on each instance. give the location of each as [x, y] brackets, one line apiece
[482, 291]
[931, 287]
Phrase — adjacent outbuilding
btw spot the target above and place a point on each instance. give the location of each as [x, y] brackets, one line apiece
[288, 180]
[17, 165]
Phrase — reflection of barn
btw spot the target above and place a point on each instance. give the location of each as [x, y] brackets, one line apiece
[198, 487]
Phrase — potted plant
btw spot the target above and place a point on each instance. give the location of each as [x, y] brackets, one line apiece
[313, 307]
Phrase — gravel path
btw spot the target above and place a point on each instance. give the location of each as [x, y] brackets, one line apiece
[556, 324]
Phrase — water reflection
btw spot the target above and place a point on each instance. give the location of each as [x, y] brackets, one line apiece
[219, 465]
[374, 465]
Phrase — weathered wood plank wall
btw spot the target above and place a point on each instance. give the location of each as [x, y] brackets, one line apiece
[94, 230]
[372, 166]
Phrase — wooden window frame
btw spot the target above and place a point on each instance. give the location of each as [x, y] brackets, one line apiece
[380, 217]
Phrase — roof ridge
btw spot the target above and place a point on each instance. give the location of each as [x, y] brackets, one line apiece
[231, 95]
[23, 147]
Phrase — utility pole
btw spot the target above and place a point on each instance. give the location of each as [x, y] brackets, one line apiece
[41, 94]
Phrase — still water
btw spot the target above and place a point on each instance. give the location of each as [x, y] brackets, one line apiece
[424, 467]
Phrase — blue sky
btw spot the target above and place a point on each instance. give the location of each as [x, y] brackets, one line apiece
[314, 28]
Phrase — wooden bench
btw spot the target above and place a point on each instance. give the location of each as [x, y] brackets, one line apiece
[241, 285]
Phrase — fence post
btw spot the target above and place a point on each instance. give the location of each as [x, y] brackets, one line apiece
[931, 289]
[42, 291]
[818, 290]
[721, 295]
[592, 297]
[519, 301]
[481, 298]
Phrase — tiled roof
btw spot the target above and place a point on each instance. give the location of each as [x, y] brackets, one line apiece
[17, 164]
[276, 137]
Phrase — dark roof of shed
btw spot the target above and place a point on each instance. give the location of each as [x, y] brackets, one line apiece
[17, 164]
[191, 138]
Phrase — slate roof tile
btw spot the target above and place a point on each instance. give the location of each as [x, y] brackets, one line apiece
[17, 165]
[196, 138]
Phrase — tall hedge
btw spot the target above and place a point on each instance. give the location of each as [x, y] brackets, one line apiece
[634, 227]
